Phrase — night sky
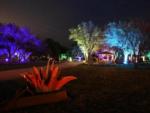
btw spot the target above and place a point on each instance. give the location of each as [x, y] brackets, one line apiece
[53, 18]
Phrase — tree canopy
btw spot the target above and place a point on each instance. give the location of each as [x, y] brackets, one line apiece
[124, 36]
[87, 36]
[17, 42]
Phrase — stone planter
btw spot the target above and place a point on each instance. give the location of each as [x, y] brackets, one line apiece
[22, 102]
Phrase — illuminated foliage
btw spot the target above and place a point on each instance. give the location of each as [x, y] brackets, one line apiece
[76, 52]
[46, 80]
[16, 42]
[148, 55]
[124, 36]
[87, 36]
[63, 56]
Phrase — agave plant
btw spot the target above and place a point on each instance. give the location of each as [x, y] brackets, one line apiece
[46, 80]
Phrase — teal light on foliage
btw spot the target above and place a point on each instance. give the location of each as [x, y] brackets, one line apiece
[126, 58]
[148, 55]
[124, 37]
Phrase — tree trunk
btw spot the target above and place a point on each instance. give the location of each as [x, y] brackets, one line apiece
[126, 57]
[9, 56]
[86, 57]
[90, 60]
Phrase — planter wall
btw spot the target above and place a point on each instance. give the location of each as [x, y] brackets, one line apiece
[23, 102]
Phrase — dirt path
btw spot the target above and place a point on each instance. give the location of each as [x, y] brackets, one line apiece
[13, 74]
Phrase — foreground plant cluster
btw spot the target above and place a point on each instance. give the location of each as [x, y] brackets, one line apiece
[46, 80]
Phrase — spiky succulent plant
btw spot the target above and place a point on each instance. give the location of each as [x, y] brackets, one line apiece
[46, 80]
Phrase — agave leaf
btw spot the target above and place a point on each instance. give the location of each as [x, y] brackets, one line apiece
[52, 66]
[33, 81]
[24, 76]
[44, 88]
[28, 76]
[53, 79]
[43, 73]
[47, 68]
[36, 72]
[64, 81]
[39, 85]
[55, 72]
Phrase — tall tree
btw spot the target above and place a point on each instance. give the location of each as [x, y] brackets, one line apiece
[87, 36]
[124, 36]
[144, 27]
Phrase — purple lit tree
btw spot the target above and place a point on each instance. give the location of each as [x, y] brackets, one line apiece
[17, 42]
[124, 36]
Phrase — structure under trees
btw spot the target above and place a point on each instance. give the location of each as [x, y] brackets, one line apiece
[124, 36]
[87, 36]
[16, 43]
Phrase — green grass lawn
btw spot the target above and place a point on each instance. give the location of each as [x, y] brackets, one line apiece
[97, 90]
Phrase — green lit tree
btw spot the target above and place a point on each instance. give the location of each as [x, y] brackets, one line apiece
[87, 36]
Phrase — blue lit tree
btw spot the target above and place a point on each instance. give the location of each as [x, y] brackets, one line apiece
[76, 52]
[87, 36]
[124, 36]
[16, 42]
